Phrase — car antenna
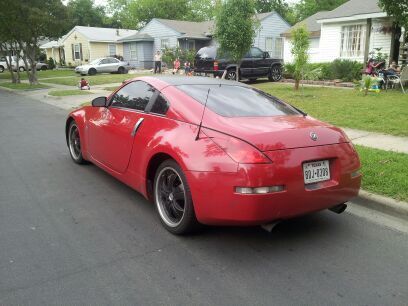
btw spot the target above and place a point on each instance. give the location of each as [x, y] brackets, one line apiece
[202, 116]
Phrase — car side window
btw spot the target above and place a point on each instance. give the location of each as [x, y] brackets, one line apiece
[135, 95]
[113, 61]
[256, 53]
[160, 106]
[104, 61]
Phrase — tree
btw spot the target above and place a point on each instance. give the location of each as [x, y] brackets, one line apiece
[142, 11]
[235, 27]
[306, 8]
[396, 9]
[300, 47]
[37, 19]
[136, 13]
[85, 13]
[279, 6]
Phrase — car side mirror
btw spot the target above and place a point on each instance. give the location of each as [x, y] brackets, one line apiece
[266, 54]
[99, 102]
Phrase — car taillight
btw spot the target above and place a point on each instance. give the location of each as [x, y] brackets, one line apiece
[239, 150]
[215, 66]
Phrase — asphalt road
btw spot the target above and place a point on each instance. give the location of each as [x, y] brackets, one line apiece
[72, 234]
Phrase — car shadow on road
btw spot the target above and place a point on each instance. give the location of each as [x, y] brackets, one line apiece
[310, 227]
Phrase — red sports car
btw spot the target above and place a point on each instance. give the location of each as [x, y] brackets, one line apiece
[210, 151]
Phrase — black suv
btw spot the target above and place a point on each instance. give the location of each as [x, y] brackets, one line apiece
[255, 64]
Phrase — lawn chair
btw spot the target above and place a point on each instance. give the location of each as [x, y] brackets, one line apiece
[398, 79]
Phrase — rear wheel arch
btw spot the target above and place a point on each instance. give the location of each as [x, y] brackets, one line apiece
[67, 124]
[154, 162]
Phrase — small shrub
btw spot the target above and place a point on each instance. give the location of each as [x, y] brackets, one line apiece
[345, 70]
[51, 63]
[170, 55]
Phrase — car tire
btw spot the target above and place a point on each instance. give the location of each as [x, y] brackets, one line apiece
[231, 74]
[275, 74]
[172, 197]
[74, 143]
[121, 70]
[43, 68]
[1, 69]
[92, 71]
[21, 69]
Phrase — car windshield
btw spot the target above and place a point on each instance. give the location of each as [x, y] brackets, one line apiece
[207, 53]
[238, 101]
[94, 62]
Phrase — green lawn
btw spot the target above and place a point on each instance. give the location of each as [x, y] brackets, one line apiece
[22, 86]
[384, 172]
[73, 92]
[386, 112]
[41, 74]
[111, 88]
[97, 79]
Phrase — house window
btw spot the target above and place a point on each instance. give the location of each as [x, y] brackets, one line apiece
[77, 52]
[352, 41]
[165, 43]
[278, 50]
[133, 51]
[112, 49]
[269, 44]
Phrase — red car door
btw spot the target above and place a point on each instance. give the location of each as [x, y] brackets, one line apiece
[111, 130]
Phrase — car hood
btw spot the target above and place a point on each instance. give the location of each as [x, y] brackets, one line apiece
[83, 67]
[279, 132]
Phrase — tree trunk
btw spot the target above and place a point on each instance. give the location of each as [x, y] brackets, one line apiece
[297, 82]
[29, 59]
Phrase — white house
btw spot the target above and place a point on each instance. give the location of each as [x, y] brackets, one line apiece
[351, 31]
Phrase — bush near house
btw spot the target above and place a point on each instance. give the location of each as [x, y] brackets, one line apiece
[344, 70]
[170, 54]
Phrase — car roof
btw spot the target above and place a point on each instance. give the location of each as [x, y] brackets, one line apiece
[196, 80]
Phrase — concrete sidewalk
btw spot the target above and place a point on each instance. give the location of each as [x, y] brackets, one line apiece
[378, 140]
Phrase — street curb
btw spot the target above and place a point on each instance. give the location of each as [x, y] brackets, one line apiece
[382, 204]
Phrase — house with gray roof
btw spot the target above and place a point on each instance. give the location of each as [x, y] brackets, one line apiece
[84, 44]
[352, 31]
[166, 33]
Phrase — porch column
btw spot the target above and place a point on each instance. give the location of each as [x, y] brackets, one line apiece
[367, 40]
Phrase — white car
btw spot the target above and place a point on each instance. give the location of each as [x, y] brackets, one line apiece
[105, 64]
[21, 65]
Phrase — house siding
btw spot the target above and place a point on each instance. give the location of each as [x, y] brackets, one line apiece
[159, 31]
[379, 39]
[99, 49]
[314, 50]
[144, 58]
[271, 26]
[75, 38]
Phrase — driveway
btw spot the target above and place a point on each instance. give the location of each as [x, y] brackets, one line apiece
[72, 234]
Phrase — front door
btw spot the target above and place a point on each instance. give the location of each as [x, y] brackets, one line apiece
[260, 62]
[111, 130]
[246, 66]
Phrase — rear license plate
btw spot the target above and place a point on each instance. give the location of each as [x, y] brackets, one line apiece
[317, 171]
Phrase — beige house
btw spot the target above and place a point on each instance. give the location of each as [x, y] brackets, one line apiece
[84, 44]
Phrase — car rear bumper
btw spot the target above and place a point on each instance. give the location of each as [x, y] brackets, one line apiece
[216, 202]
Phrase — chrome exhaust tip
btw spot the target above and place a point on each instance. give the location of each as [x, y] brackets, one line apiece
[338, 209]
[270, 226]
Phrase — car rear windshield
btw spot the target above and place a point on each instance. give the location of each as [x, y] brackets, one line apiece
[207, 53]
[238, 101]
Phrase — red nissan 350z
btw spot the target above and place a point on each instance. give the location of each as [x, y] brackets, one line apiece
[210, 151]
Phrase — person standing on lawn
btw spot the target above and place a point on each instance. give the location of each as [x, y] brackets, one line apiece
[176, 66]
[157, 62]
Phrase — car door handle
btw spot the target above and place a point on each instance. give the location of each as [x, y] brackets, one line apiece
[136, 127]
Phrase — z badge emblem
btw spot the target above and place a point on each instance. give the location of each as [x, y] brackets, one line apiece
[313, 136]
